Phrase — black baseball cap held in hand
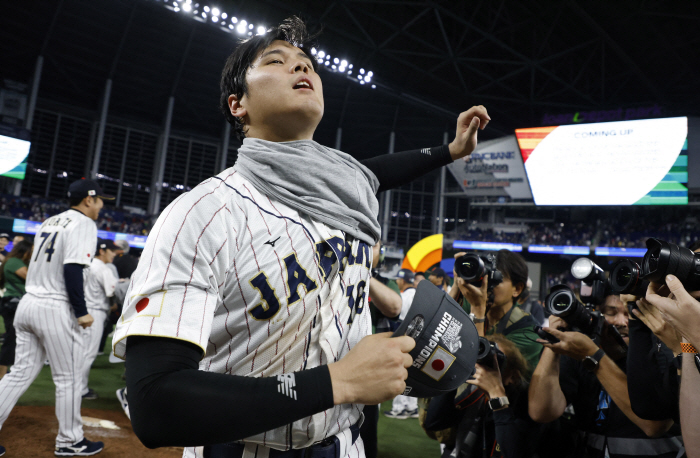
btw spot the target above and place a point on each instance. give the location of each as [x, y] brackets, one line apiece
[84, 188]
[447, 344]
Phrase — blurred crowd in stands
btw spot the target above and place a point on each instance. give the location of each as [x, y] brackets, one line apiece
[625, 234]
[36, 209]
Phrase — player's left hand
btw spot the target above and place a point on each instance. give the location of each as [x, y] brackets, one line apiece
[572, 344]
[468, 124]
[85, 321]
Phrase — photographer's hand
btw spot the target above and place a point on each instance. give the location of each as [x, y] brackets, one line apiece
[651, 317]
[681, 310]
[489, 380]
[572, 344]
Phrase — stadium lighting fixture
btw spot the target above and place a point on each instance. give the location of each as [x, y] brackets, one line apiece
[215, 16]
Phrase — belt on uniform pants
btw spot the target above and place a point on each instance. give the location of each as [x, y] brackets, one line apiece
[328, 448]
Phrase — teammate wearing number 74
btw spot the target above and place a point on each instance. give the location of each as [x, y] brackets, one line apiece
[50, 316]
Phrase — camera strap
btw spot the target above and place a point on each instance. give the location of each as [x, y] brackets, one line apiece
[503, 324]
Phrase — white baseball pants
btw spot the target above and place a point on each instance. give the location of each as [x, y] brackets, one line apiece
[47, 328]
[91, 341]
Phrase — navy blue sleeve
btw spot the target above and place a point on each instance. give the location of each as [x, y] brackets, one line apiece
[652, 378]
[73, 274]
[172, 403]
[398, 169]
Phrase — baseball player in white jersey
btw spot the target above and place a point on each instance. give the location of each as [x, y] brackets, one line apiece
[51, 314]
[245, 328]
[100, 284]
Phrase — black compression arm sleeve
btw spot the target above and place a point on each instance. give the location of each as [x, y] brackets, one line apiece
[73, 275]
[652, 380]
[394, 170]
[172, 403]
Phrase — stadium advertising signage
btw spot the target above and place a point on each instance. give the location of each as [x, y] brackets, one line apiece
[640, 162]
[493, 169]
[485, 246]
[23, 226]
[623, 252]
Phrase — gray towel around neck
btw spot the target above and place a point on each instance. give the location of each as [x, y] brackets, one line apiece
[328, 185]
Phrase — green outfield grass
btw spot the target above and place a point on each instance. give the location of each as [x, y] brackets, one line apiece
[397, 438]
[403, 438]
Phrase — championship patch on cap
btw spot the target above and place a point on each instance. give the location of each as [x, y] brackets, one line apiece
[438, 363]
[92, 192]
[446, 342]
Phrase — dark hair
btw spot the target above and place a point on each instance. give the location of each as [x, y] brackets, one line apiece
[74, 201]
[21, 250]
[233, 77]
[517, 367]
[695, 245]
[513, 267]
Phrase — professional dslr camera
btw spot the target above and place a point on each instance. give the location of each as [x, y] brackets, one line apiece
[487, 350]
[662, 258]
[473, 268]
[562, 302]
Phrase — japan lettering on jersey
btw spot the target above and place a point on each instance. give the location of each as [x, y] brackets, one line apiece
[262, 289]
[100, 284]
[67, 238]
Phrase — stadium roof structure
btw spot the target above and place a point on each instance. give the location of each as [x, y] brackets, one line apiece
[430, 60]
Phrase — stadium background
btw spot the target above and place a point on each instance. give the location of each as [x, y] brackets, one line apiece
[127, 91]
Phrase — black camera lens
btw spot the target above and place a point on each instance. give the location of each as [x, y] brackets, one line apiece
[626, 278]
[664, 258]
[487, 350]
[562, 302]
[471, 268]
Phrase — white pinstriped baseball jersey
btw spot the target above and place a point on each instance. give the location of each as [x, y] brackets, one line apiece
[100, 283]
[67, 238]
[261, 288]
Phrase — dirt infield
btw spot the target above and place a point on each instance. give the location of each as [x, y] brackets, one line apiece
[31, 431]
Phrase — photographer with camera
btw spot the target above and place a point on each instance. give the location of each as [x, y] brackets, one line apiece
[576, 371]
[489, 411]
[682, 311]
[493, 300]
[653, 362]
